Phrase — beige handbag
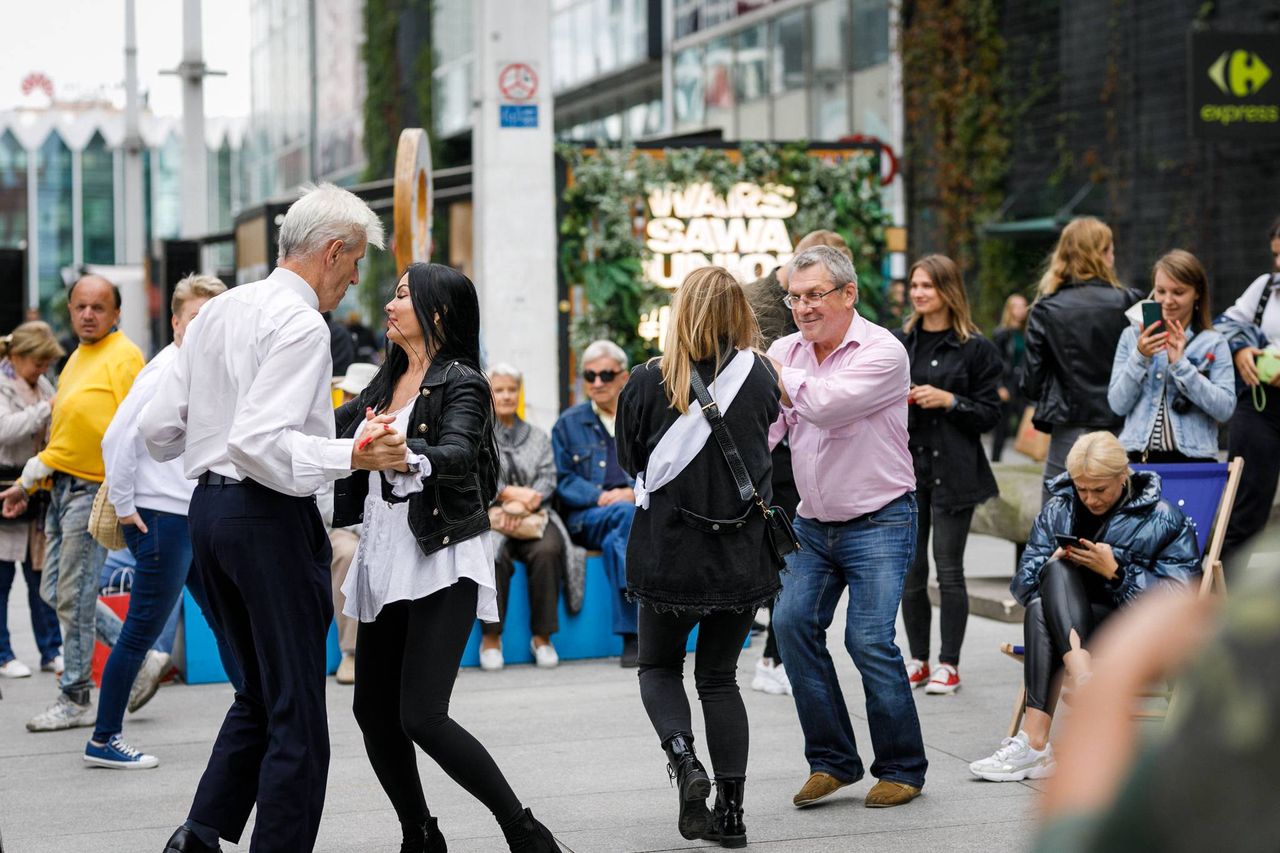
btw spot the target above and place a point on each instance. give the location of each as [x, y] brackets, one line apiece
[104, 525]
[532, 524]
[1029, 440]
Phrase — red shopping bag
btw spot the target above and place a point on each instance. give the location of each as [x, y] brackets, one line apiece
[116, 596]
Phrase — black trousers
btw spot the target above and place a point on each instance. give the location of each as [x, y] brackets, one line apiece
[407, 660]
[663, 637]
[1010, 418]
[1255, 436]
[950, 533]
[1064, 604]
[543, 561]
[264, 560]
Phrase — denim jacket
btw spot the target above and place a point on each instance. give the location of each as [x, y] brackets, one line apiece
[581, 448]
[1138, 383]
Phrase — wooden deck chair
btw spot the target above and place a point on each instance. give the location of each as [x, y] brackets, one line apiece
[1200, 490]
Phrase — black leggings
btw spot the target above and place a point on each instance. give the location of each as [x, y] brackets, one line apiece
[406, 664]
[663, 637]
[950, 533]
[1064, 603]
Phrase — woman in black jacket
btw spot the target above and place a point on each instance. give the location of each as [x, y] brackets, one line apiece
[954, 399]
[1072, 334]
[699, 553]
[1010, 338]
[423, 570]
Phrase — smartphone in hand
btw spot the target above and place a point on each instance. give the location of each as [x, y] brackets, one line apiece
[1152, 313]
[1066, 540]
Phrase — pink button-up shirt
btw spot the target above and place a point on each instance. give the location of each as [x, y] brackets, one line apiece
[847, 421]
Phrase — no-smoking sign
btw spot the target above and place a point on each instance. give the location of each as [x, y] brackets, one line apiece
[517, 81]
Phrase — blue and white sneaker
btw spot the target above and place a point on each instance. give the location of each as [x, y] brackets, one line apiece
[118, 755]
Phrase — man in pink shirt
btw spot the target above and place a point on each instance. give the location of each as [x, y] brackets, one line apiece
[845, 411]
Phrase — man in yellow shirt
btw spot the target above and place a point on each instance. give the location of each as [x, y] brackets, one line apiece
[92, 385]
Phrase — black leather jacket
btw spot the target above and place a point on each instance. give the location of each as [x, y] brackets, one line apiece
[452, 425]
[1071, 341]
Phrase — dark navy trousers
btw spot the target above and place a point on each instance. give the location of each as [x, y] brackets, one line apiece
[264, 560]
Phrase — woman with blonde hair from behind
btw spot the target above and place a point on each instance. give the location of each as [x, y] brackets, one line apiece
[1104, 538]
[699, 552]
[26, 398]
[1072, 333]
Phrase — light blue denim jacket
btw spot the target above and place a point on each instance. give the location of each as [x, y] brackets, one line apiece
[1138, 382]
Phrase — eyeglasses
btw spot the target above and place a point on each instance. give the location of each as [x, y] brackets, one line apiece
[791, 300]
[605, 376]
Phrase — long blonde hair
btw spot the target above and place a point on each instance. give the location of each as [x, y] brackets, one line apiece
[33, 339]
[949, 284]
[709, 313]
[1080, 256]
[1006, 314]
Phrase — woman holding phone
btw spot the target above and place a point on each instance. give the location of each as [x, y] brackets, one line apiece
[1105, 537]
[1172, 379]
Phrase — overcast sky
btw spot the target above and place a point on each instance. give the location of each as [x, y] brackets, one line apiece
[79, 45]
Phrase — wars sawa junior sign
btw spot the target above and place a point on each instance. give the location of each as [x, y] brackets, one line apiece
[1235, 90]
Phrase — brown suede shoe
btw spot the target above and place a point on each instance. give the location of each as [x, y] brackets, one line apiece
[820, 786]
[886, 794]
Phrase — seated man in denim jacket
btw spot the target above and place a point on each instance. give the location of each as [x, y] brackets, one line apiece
[595, 492]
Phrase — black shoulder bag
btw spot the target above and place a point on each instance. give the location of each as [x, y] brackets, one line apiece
[782, 538]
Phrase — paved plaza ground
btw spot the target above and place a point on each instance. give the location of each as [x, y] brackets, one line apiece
[574, 742]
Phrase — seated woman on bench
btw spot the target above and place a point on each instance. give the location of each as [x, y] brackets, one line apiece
[1105, 537]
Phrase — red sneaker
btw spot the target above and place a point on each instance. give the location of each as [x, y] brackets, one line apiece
[917, 672]
[945, 680]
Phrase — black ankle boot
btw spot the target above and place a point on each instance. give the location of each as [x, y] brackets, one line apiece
[525, 835]
[726, 821]
[423, 837]
[692, 785]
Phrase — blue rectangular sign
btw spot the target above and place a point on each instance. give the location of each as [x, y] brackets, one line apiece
[517, 115]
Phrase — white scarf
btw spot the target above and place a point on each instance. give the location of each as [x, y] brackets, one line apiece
[687, 436]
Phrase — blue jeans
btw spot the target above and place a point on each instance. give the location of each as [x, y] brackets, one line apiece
[869, 555]
[44, 622]
[163, 556]
[607, 528]
[69, 582]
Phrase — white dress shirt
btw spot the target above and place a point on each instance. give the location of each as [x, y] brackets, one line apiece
[134, 479]
[248, 395]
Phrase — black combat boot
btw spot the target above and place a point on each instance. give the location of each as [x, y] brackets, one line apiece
[424, 837]
[726, 821]
[525, 834]
[692, 785]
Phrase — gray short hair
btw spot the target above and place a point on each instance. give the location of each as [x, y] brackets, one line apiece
[838, 266]
[604, 349]
[507, 370]
[323, 214]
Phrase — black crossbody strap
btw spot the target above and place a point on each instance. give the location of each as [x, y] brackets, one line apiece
[720, 430]
[1264, 298]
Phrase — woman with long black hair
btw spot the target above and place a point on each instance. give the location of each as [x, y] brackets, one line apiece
[424, 571]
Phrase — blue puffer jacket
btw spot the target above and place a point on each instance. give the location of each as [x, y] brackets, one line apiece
[1151, 539]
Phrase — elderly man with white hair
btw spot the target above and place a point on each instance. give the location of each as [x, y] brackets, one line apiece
[247, 405]
[595, 491]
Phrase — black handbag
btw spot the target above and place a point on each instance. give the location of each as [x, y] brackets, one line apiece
[782, 537]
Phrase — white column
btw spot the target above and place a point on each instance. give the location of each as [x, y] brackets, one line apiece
[135, 315]
[117, 203]
[895, 194]
[514, 224]
[195, 159]
[33, 232]
[77, 208]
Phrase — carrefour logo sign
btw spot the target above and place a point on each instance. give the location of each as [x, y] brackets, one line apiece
[1232, 93]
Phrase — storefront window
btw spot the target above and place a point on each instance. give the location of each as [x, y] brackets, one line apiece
[719, 85]
[53, 227]
[870, 33]
[584, 60]
[790, 107]
[830, 88]
[97, 189]
[13, 192]
[689, 88]
[561, 50]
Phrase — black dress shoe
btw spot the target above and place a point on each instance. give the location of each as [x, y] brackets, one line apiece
[630, 651]
[186, 841]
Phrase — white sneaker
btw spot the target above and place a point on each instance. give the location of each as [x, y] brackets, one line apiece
[154, 667]
[1014, 761]
[771, 679]
[491, 660]
[15, 669]
[62, 714]
[545, 656]
[55, 666]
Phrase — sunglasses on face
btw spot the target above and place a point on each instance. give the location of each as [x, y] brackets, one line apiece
[605, 376]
